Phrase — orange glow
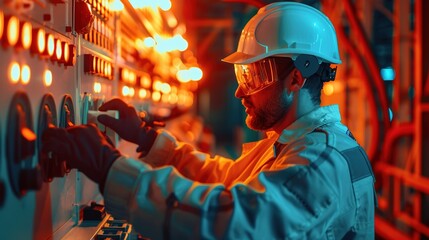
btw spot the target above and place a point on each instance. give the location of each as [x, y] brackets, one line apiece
[26, 29]
[145, 81]
[173, 98]
[328, 89]
[156, 96]
[12, 30]
[132, 79]
[41, 42]
[131, 92]
[195, 73]
[25, 74]
[97, 87]
[66, 52]
[47, 78]
[125, 91]
[143, 93]
[94, 64]
[28, 134]
[107, 69]
[14, 72]
[165, 88]
[98, 69]
[58, 49]
[50, 44]
[1, 23]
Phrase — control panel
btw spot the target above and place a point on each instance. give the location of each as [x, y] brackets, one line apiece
[60, 61]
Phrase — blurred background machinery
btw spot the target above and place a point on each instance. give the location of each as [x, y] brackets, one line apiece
[61, 59]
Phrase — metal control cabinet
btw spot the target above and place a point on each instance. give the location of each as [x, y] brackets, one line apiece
[61, 59]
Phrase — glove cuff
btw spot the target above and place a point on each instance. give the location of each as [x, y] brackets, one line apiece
[147, 136]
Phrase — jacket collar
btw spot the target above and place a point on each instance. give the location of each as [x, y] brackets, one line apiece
[308, 123]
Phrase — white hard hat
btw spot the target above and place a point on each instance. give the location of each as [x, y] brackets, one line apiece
[287, 29]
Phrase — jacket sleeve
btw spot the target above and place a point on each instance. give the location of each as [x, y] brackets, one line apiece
[295, 202]
[191, 163]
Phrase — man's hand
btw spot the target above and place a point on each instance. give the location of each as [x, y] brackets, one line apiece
[83, 147]
[129, 126]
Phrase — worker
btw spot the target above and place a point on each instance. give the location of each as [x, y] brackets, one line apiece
[307, 179]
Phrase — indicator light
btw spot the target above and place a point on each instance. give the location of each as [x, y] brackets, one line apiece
[72, 56]
[66, 52]
[14, 72]
[12, 30]
[58, 49]
[1, 23]
[38, 44]
[47, 78]
[25, 74]
[125, 91]
[25, 35]
[97, 87]
[131, 92]
[50, 45]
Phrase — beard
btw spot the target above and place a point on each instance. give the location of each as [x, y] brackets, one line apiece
[264, 118]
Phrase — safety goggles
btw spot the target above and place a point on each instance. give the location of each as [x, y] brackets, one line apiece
[256, 76]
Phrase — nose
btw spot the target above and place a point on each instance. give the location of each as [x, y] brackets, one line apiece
[239, 93]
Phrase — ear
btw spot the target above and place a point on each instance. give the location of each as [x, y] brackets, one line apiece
[295, 81]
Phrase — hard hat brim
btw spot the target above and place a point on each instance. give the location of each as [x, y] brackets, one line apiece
[243, 58]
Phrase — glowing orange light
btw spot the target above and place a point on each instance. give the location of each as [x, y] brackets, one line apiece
[47, 78]
[58, 49]
[97, 87]
[195, 73]
[94, 64]
[12, 30]
[98, 65]
[14, 72]
[165, 88]
[132, 92]
[328, 89]
[66, 52]
[125, 91]
[143, 93]
[124, 75]
[25, 74]
[50, 44]
[106, 69]
[26, 29]
[156, 96]
[1, 23]
[41, 42]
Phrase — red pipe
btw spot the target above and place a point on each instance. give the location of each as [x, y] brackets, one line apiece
[369, 56]
[351, 49]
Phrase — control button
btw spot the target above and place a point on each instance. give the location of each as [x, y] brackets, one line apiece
[51, 165]
[20, 146]
[94, 212]
[67, 112]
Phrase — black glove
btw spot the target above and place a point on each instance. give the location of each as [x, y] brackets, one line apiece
[129, 126]
[83, 147]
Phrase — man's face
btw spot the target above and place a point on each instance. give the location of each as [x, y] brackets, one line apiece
[266, 108]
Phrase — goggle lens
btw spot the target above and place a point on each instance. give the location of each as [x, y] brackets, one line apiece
[256, 76]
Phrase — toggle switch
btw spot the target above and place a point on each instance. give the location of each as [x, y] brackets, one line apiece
[93, 212]
[67, 112]
[24, 174]
[50, 164]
